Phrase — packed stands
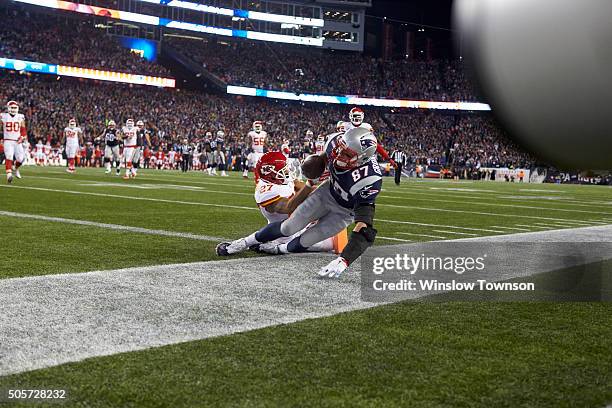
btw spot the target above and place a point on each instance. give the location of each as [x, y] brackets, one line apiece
[74, 42]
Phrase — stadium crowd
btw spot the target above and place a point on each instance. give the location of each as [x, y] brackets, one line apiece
[173, 115]
[283, 67]
[74, 42]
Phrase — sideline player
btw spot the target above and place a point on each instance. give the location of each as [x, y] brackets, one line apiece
[14, 131]
[143, 141]
[73, 139]
[129, 134]
[348, 196]
[277, 195]
[111, 148]
[257, 139]
[356, 117]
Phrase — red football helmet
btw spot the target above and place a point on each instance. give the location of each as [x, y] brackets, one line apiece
[272, 167]
[356, 116]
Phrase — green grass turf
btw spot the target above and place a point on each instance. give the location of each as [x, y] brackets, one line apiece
[204, 205]
[408, 354]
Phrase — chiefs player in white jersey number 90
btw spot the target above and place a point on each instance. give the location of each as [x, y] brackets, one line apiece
[14, 131]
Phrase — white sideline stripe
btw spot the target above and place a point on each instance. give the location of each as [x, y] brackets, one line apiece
[423, 235]
[393, 239]
[107, 312]
[458, 233]
[112, 226]
[510, 228]
[436, 225]
[160, 200]
[531, 226]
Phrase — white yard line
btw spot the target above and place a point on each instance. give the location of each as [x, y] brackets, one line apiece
[160, 200]
[436, 225]
[531, 226]
[423, 235]
[459, 233]
[392, 239]
[116, 227]
[411, 207]
[510, 228]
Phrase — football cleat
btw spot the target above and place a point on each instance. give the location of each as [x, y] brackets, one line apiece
[230, 248]
[9, 178]
[17, 174]
[107, 171]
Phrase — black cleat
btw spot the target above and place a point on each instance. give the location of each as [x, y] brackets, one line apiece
[222, 249]
[9, 178]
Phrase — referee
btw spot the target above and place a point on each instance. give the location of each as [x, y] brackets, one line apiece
[399, 157]
[186, 152]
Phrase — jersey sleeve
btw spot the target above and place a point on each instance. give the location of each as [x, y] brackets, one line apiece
[266, 194]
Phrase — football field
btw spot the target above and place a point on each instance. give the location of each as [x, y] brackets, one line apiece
[122, 257]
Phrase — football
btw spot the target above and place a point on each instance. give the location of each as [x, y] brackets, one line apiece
[313, 166]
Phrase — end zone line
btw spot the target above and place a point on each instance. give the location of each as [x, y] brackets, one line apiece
[117, 227]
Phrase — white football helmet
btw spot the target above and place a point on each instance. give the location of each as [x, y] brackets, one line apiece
[12, 107]
[220, 134]
[72, 123]
[309, 134]
[258, 126]
[129, 123]
[321, 138]
[356, 116]
[208, 135]
[340, 126]
[354, 148]
[111, 124]
[140, 124]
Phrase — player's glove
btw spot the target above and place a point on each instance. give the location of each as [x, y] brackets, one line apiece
[334, 269]
[393, 163]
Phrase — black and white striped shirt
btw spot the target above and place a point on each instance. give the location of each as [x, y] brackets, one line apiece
[399, 157]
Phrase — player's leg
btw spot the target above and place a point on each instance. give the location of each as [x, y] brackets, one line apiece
[136, 161]
[117, 159]
[128, 155]
[70, 153]
[312, 209]
[108, 153]
[9, 153]
[19, 159]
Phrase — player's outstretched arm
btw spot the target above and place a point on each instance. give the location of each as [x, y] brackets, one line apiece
[362, 238]
[288, 205]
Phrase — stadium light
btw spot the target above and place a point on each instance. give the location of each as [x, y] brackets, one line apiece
[237, 13]
[354, 100]
[164, 22]
[88, 73]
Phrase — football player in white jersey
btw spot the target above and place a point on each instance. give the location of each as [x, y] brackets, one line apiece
[40, 153]
[73, 139]
[277, 195]
[14, 131]
[256, 138]
[129, 134]
[356, 117]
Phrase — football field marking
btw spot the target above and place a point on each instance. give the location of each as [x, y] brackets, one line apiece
[415, 234]
[55, 319]
[161, 200]
[116, 227]
[459, 233]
